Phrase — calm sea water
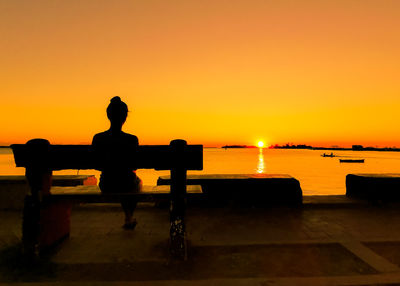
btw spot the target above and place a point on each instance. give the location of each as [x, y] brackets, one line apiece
[317, 175]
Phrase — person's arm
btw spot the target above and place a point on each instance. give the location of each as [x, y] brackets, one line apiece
[97, 153]
[135, 145]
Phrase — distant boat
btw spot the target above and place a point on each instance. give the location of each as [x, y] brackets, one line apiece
[237, 146]
[351, 160]
[328, 155]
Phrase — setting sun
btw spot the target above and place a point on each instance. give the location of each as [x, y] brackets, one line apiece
[260, 144]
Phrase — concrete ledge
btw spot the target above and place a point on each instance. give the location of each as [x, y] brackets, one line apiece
[13, 189]
[332, 201]
[58, 180]
[246, 189]
[373, 187]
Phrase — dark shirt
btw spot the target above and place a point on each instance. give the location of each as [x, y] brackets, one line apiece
[115, 153]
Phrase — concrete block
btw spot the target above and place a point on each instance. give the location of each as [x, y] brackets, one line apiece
[374, 187]
[246, 189]
[13, 189]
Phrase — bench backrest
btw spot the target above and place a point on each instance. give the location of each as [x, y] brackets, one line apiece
[158, 157]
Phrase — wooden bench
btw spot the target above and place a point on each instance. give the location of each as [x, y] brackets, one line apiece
[46, 216]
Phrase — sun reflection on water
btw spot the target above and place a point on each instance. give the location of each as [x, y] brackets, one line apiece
[260, 166]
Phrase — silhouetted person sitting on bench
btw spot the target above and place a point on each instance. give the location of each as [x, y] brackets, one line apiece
[114, 150]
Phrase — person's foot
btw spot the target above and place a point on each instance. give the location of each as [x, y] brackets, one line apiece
[130, 225]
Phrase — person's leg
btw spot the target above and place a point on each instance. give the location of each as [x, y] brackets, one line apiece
[129, 205]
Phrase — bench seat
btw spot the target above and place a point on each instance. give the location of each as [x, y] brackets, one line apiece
[92, 194]
[246, 189]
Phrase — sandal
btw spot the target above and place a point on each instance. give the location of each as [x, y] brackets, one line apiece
[130, 225]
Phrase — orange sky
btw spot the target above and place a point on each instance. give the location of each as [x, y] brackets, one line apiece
[211, 72]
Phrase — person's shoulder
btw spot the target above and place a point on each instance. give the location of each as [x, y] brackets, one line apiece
[100, 136]
[132, 138]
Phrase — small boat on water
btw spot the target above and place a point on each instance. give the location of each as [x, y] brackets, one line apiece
[328, 155]
[351, 160]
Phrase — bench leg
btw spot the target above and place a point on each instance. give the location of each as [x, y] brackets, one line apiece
[178, 247]
[39, 178]
[31, 227]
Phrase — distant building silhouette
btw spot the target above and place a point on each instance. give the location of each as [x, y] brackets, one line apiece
[357, 147]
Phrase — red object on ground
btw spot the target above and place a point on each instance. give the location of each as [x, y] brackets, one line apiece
[55, 222]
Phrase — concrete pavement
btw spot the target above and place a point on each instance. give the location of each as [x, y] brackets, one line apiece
[324, 243]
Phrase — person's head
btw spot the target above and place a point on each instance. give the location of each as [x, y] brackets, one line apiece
[117, 111]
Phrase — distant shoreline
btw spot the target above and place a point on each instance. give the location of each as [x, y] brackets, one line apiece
[354, 148]
[306, 147]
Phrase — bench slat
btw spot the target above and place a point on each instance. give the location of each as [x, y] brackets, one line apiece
[158, 157]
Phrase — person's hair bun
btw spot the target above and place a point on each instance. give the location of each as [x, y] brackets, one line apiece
[115, 99]
[117, 108]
